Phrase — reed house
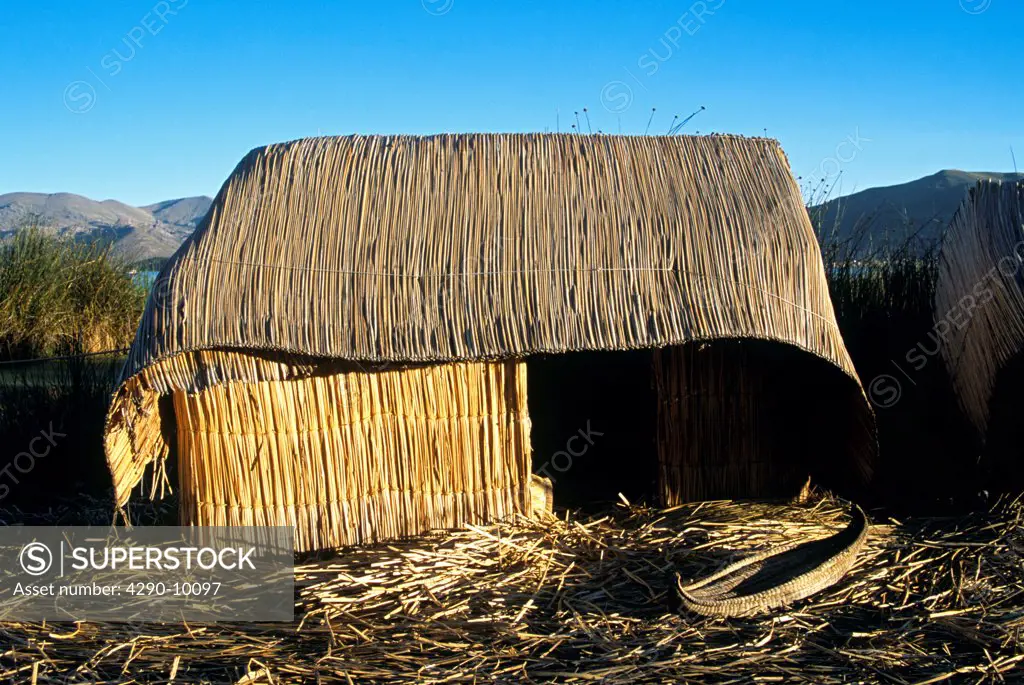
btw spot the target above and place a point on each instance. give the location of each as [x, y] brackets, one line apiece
[979, 322]
[370, 337]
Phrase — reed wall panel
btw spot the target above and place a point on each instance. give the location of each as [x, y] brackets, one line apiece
[741, 419]
[717, 438]
[358, 457]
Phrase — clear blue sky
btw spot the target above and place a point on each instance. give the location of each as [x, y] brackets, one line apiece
[924, 84]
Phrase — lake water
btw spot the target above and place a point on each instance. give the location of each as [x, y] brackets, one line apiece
[144, 278]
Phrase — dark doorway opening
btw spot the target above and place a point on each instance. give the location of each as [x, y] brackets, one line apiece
[594, 426]
[734, 419]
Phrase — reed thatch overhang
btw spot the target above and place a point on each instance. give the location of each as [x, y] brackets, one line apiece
[979, 294]
[401, 249]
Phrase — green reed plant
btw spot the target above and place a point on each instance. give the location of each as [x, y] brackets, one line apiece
[61, 296]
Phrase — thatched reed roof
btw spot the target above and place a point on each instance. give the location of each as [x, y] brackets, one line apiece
[467, 247]
[979, 298]
[479, 246]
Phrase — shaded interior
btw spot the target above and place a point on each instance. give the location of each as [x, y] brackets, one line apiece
[713, 420]
[594, 425]
[1003, 456]
[725, 419]
[755, 419]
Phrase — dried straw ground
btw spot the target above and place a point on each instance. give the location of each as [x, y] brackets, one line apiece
[573, 601]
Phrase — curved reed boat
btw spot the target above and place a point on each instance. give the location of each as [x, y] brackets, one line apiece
[778, 576]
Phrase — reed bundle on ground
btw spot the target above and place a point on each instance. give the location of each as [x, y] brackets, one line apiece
[773, 578]
[584, 600]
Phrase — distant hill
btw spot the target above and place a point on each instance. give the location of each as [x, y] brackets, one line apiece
[916, 212]
[183, 211]
[138, 233]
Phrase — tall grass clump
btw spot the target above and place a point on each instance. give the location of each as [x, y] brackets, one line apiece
[60, 296]
[883, 297]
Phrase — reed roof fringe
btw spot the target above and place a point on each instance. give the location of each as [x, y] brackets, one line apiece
[979, 294]
[482, 246]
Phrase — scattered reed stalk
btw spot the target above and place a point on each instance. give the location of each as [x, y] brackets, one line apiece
[593, 600]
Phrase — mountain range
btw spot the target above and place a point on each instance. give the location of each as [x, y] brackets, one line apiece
[914, 213]
[151, 232]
